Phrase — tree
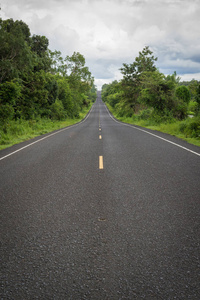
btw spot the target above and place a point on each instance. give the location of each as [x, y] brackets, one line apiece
[39, 47]
[92, 94]
[192, 86]
[34, 101]
[158, 91]
[16, 28]
[153, 92]
[57, 63]
[183, 93]
[77, 71]
[131, 82]
[57, 110]
[15, 54]
[10, 92]
[111, 93]
[39, 44]
[143, 63]
[37, 82]
[79, 78]
[51, 86]
[64, 95]
[197, 98]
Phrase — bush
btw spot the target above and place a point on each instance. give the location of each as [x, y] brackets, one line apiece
[191, 127]
[85, 100]
[6, 112]
[158, 117]
[180, 111]
[145, 114]
[10, 91]
[182, 127]
[194, 128]
[57, 110]
[192, 107]
[183, 93]
[113, 99]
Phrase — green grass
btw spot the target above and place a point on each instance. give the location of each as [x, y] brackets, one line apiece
[180, 129]
[15, 132]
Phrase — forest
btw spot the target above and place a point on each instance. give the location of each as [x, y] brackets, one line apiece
[148, 98]
[37, 83]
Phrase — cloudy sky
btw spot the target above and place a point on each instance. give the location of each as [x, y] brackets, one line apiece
[112, 32]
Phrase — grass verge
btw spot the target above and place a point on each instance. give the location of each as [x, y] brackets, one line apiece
[185, 130]
[15, 132]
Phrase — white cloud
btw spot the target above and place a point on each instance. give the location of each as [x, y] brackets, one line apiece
[188, 77]
[110, 32]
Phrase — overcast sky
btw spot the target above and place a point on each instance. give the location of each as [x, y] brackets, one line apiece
[111, 32]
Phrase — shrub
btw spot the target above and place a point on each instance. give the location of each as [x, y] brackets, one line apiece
[183, 93]
[158, 117]
[10, 91]
[113, 99]
[180, 111]
[192, 107]
[194, 128]
[191, 127]
[57, 110]
[182, 127]
[145, 114]
[6, 112]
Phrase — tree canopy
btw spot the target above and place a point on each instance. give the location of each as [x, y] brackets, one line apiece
[37, 82]
[143, 86]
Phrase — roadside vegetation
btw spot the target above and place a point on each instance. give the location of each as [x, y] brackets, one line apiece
[40, 91]
[21, 130]
[148, 98]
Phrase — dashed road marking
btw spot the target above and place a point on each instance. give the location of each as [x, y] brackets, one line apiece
[101, 162]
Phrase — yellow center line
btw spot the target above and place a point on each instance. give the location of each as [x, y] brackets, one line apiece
[99, 129]
[100, 162]
[100, 137]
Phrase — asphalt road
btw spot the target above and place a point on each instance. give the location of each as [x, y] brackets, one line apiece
[74, 226]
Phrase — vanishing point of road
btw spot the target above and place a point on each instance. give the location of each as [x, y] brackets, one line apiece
[100, 210]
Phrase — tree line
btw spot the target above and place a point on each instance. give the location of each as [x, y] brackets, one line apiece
[36, 82]
[147, 93]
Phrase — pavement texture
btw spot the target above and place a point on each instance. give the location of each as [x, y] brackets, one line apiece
[70, 230]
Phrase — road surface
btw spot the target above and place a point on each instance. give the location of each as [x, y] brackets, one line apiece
[100, 210]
